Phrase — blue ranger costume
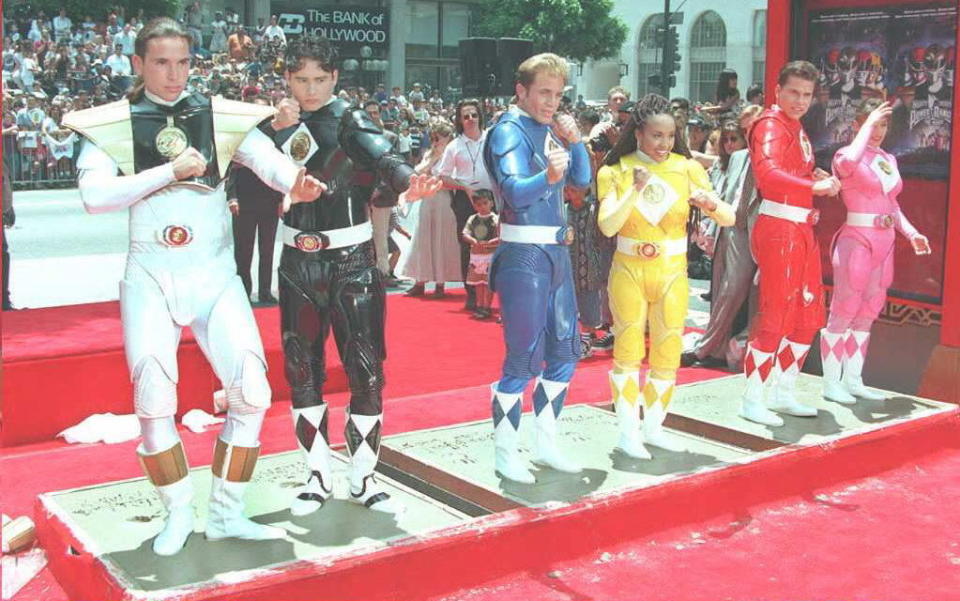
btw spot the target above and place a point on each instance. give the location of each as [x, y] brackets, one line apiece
[531, 272]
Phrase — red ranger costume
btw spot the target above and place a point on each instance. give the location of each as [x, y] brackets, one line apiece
[788, 260]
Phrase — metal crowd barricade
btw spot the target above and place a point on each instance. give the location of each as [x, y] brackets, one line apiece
[33, 166]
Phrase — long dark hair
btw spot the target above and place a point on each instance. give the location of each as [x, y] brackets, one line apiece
[160, 27]
[458, 121]
[648, 106]
[724, 91]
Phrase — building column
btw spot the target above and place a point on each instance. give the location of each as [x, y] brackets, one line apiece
[397, 56]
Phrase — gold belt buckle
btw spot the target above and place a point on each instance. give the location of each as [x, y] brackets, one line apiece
[311, 241]
[883, 221]
[647, 250]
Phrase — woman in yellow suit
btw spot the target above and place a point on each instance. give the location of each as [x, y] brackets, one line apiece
[647, 186]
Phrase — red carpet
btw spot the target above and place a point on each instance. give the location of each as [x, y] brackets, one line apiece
[71, 360]
[892, 536]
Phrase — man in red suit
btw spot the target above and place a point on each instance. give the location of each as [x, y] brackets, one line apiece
[785, 248]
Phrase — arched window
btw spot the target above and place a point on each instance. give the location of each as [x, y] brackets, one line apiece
[648, 53]
[759, 45]
[708, 55]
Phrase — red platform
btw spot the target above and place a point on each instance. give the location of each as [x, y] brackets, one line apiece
[488, 548]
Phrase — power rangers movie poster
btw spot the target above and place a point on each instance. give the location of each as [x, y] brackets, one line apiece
[904, 54]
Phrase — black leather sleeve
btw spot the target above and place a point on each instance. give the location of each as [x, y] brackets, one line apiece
[370, 150]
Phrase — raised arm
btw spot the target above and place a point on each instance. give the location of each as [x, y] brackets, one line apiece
[614, 209]
[102, 190]
[521, 183]
[847, 158]
[258, 153]
[579, 172]
[365, 144]
[706, 198]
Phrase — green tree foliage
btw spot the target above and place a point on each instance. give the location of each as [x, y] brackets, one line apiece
[98, 9]
[576, 29]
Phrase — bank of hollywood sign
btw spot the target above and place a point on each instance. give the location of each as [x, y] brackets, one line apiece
[338, 25]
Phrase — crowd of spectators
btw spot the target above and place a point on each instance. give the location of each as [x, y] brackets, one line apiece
[52, 66]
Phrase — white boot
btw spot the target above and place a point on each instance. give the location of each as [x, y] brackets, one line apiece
[548, 400]
[232, 469]
[168, 471]
[657, 394]
[757, 366]
[507, 409]
[853, 367]
[310, 425]
[363, 442]
[626, 401]
[832, 355]
[790, 358]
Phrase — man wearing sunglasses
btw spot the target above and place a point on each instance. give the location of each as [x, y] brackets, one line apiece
[462, 170]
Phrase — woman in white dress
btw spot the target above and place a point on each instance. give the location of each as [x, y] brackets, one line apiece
[435, 250]
[218, 43]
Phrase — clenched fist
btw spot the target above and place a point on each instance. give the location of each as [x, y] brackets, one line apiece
[190, 163]
[703, 200]
[829, 186]
[557, 161]
[566, 128]
[288, 114]
[641, 175]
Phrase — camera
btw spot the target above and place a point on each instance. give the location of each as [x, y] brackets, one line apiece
[600, 144]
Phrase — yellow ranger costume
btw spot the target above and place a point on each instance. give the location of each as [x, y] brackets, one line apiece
[648, 283]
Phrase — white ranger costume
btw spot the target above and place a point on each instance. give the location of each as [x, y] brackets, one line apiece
[181, 272]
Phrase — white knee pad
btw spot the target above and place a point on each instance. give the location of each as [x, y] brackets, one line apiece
[154, 393]
[249, 392]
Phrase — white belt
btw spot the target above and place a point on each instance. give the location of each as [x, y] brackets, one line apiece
[317, 241]
[535, 234]
[651, 250]
[878, 220]
[789, 212]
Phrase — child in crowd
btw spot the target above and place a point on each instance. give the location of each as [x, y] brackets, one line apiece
[482, 233]
[405, 144]
[393, 248]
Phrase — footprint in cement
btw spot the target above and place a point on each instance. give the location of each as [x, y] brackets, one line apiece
[552, 485]
[663, 463]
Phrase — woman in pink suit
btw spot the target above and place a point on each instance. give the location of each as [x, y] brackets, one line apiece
[862, 252]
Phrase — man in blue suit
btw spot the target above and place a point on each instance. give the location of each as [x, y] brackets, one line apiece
[531, 154]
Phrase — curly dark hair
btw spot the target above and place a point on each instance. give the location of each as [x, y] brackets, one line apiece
[647, 107]
[310, 47]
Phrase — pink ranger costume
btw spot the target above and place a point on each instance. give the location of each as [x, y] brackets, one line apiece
[862, 259]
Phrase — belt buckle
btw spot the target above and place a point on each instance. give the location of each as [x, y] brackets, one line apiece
[177, 235]
[311, 242]
[647, 250]
[566, 236]
[813, 217]
[883, 221]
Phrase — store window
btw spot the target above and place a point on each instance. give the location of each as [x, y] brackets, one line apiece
[708, 54]
[433, 44]
[759, 45]
[649, 53]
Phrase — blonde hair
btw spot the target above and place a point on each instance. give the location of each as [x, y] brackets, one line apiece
[541, 63]
[440, 127]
